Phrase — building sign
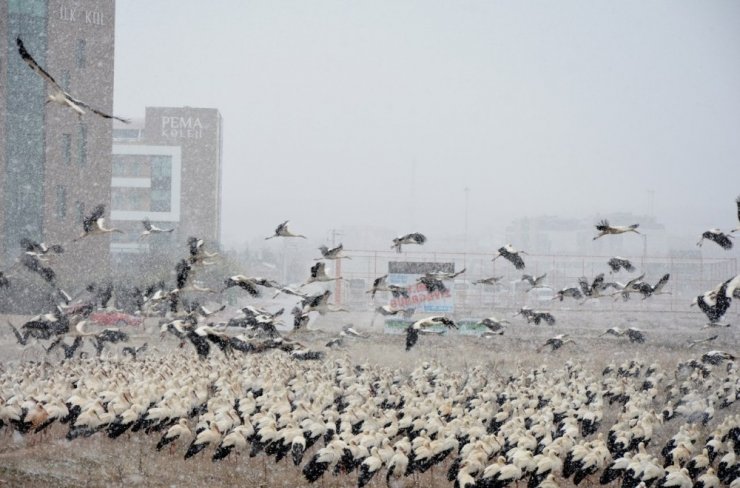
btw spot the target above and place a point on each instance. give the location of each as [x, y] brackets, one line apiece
[406, 274]
[70, 13]
[181, 127]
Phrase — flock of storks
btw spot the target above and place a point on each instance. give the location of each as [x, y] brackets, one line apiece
[268, 395]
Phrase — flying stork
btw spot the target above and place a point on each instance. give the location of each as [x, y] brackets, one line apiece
[616, 263]
[413, 238]
[318, 274]
[94, 224]
[58, 95]
[604, 228]
[737, 201]
[509, 253]
[534, 282]
[556, 342]
[692, 343]
[39, 249]
[494, 325]
[331, 253]
[571, 292]
[413, 330]
[493, 280]
[248, 284]
[282, 231]
[716, 235]
[648, 290]
[150, 229]
[715, 303]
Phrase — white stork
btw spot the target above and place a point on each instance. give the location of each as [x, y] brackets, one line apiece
[737, 201]
[493, 280]
[413, 330]
[331, 253]
[616, 263]
[150, 229]
[604, 228]
[413, 238]
[282, 231]
[94, 224]
[716, 235]
[509, 253]
[58, 95]
[534, 282]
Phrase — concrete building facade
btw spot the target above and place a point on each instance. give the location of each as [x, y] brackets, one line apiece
[54, 164]
[166, 169]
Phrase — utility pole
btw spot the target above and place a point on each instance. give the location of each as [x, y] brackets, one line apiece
[465, 241]
[337, 269]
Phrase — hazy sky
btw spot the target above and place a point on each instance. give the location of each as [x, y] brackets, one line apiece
[380, 113]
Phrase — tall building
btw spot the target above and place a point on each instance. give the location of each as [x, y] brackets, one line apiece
[166, 169]
[54, 164]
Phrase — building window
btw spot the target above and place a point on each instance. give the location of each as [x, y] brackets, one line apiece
[67, 148]
[81, 55]
[61, 204]
[80, 211]
[82, 146]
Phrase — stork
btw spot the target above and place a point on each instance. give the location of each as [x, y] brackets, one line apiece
[716, 235]
[715, 303]
[635, 335]
[571, 292]
[494, 325]
[648, 290]
[604, 228]
[58, 95]
[737, 201]
[249, 284]
[150, 229]
[616, 263]
[332, 253]
[556, 342]
[318, 274]
[413, 238]
[534, 282]
[282, 231]
[509, 253]
[198, 254]
[39, 250]
[94, 224]
[493, 280]
[694, 342]
[413, 330]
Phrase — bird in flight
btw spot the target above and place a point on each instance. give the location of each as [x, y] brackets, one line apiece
[332, 253]
[58, 95]
[616, 263]
[716, 235]
[413, 238]
[604, 228]
[737, 201]
[509, 253]
[150, 229]
[282, 231]
[94, 224]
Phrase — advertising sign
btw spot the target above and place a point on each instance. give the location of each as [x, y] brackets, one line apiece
[406, 274]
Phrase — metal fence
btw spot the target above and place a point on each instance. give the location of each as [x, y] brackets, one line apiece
[689, 278]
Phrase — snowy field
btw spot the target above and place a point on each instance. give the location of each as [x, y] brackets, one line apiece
[47, 459]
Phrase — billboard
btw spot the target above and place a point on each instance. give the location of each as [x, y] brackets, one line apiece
[406, 274]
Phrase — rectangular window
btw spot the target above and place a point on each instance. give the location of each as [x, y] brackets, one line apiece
[81, 54]
[64, 81]
[82, 146]
[80, 211]
[67, 148]
[61, 204]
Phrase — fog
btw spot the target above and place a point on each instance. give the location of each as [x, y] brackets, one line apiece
[380, 114]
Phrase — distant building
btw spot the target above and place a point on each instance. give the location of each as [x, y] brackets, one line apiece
[54, 165]
[167, 169]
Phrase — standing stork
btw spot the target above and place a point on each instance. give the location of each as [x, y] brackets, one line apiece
[509, 253]
[58, 95]
[282, 231]
[716, 235]
[604, 228]
[413, 238]
[94, 224]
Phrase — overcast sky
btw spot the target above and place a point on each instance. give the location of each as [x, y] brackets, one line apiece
[381, 113]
